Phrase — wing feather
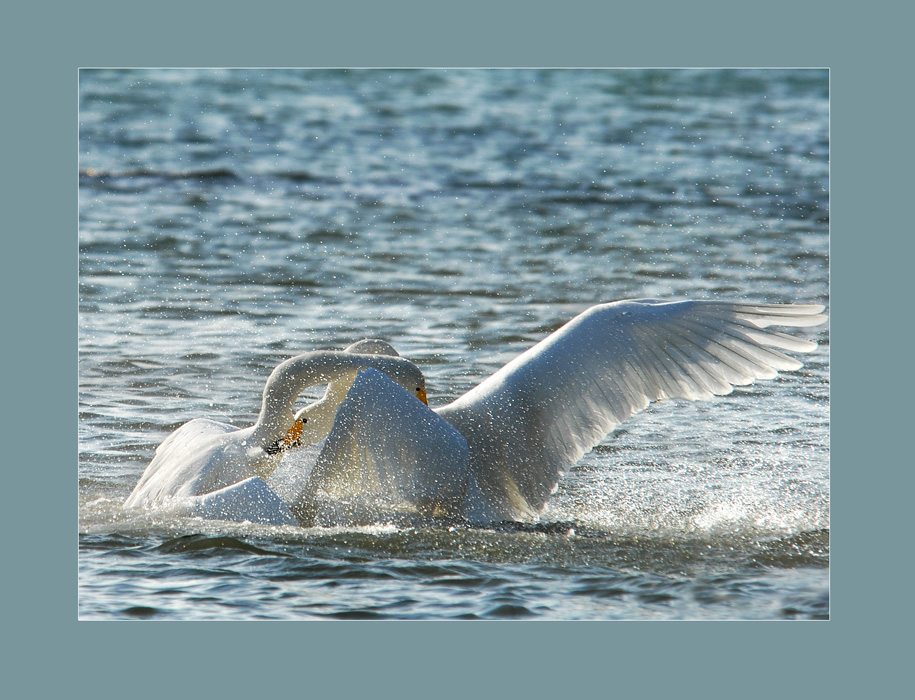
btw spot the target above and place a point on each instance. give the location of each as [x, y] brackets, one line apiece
[533, 419]
[183, 464]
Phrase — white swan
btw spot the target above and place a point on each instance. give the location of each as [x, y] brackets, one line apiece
[497, 453]
[206, 457]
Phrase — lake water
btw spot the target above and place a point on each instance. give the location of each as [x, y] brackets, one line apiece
[231, 219]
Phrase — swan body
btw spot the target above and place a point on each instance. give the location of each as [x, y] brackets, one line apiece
[250, 500]
[384, 447]
[497, 452]
[204, 456]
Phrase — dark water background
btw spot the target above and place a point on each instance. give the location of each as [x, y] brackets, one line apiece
[231, 219]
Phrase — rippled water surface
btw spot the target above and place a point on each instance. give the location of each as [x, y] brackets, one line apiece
[231, 219]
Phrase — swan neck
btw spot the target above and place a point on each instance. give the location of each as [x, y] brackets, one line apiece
[295, 375]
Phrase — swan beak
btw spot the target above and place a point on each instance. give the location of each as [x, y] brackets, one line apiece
[421, 395]
[294, 433]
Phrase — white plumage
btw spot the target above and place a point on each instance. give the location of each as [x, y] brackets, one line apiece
[204, 456]
[497, 453]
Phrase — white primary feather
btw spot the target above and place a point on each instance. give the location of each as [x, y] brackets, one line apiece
[533, 419]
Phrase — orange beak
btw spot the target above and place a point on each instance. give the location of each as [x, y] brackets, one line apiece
[294, 433]
[421, 395]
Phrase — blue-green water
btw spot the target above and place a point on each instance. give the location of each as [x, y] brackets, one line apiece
[231, 219]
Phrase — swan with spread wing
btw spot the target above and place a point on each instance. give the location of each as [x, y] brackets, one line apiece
[497, 453]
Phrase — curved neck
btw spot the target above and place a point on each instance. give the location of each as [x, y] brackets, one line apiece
[293, 376]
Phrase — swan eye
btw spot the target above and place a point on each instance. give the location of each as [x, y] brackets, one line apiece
[304, 420]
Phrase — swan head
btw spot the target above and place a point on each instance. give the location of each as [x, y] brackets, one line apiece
[292, 438]
[400, 370]
[415, 384]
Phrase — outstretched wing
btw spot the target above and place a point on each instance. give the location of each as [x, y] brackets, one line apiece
[533, 419]
[385, 446]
